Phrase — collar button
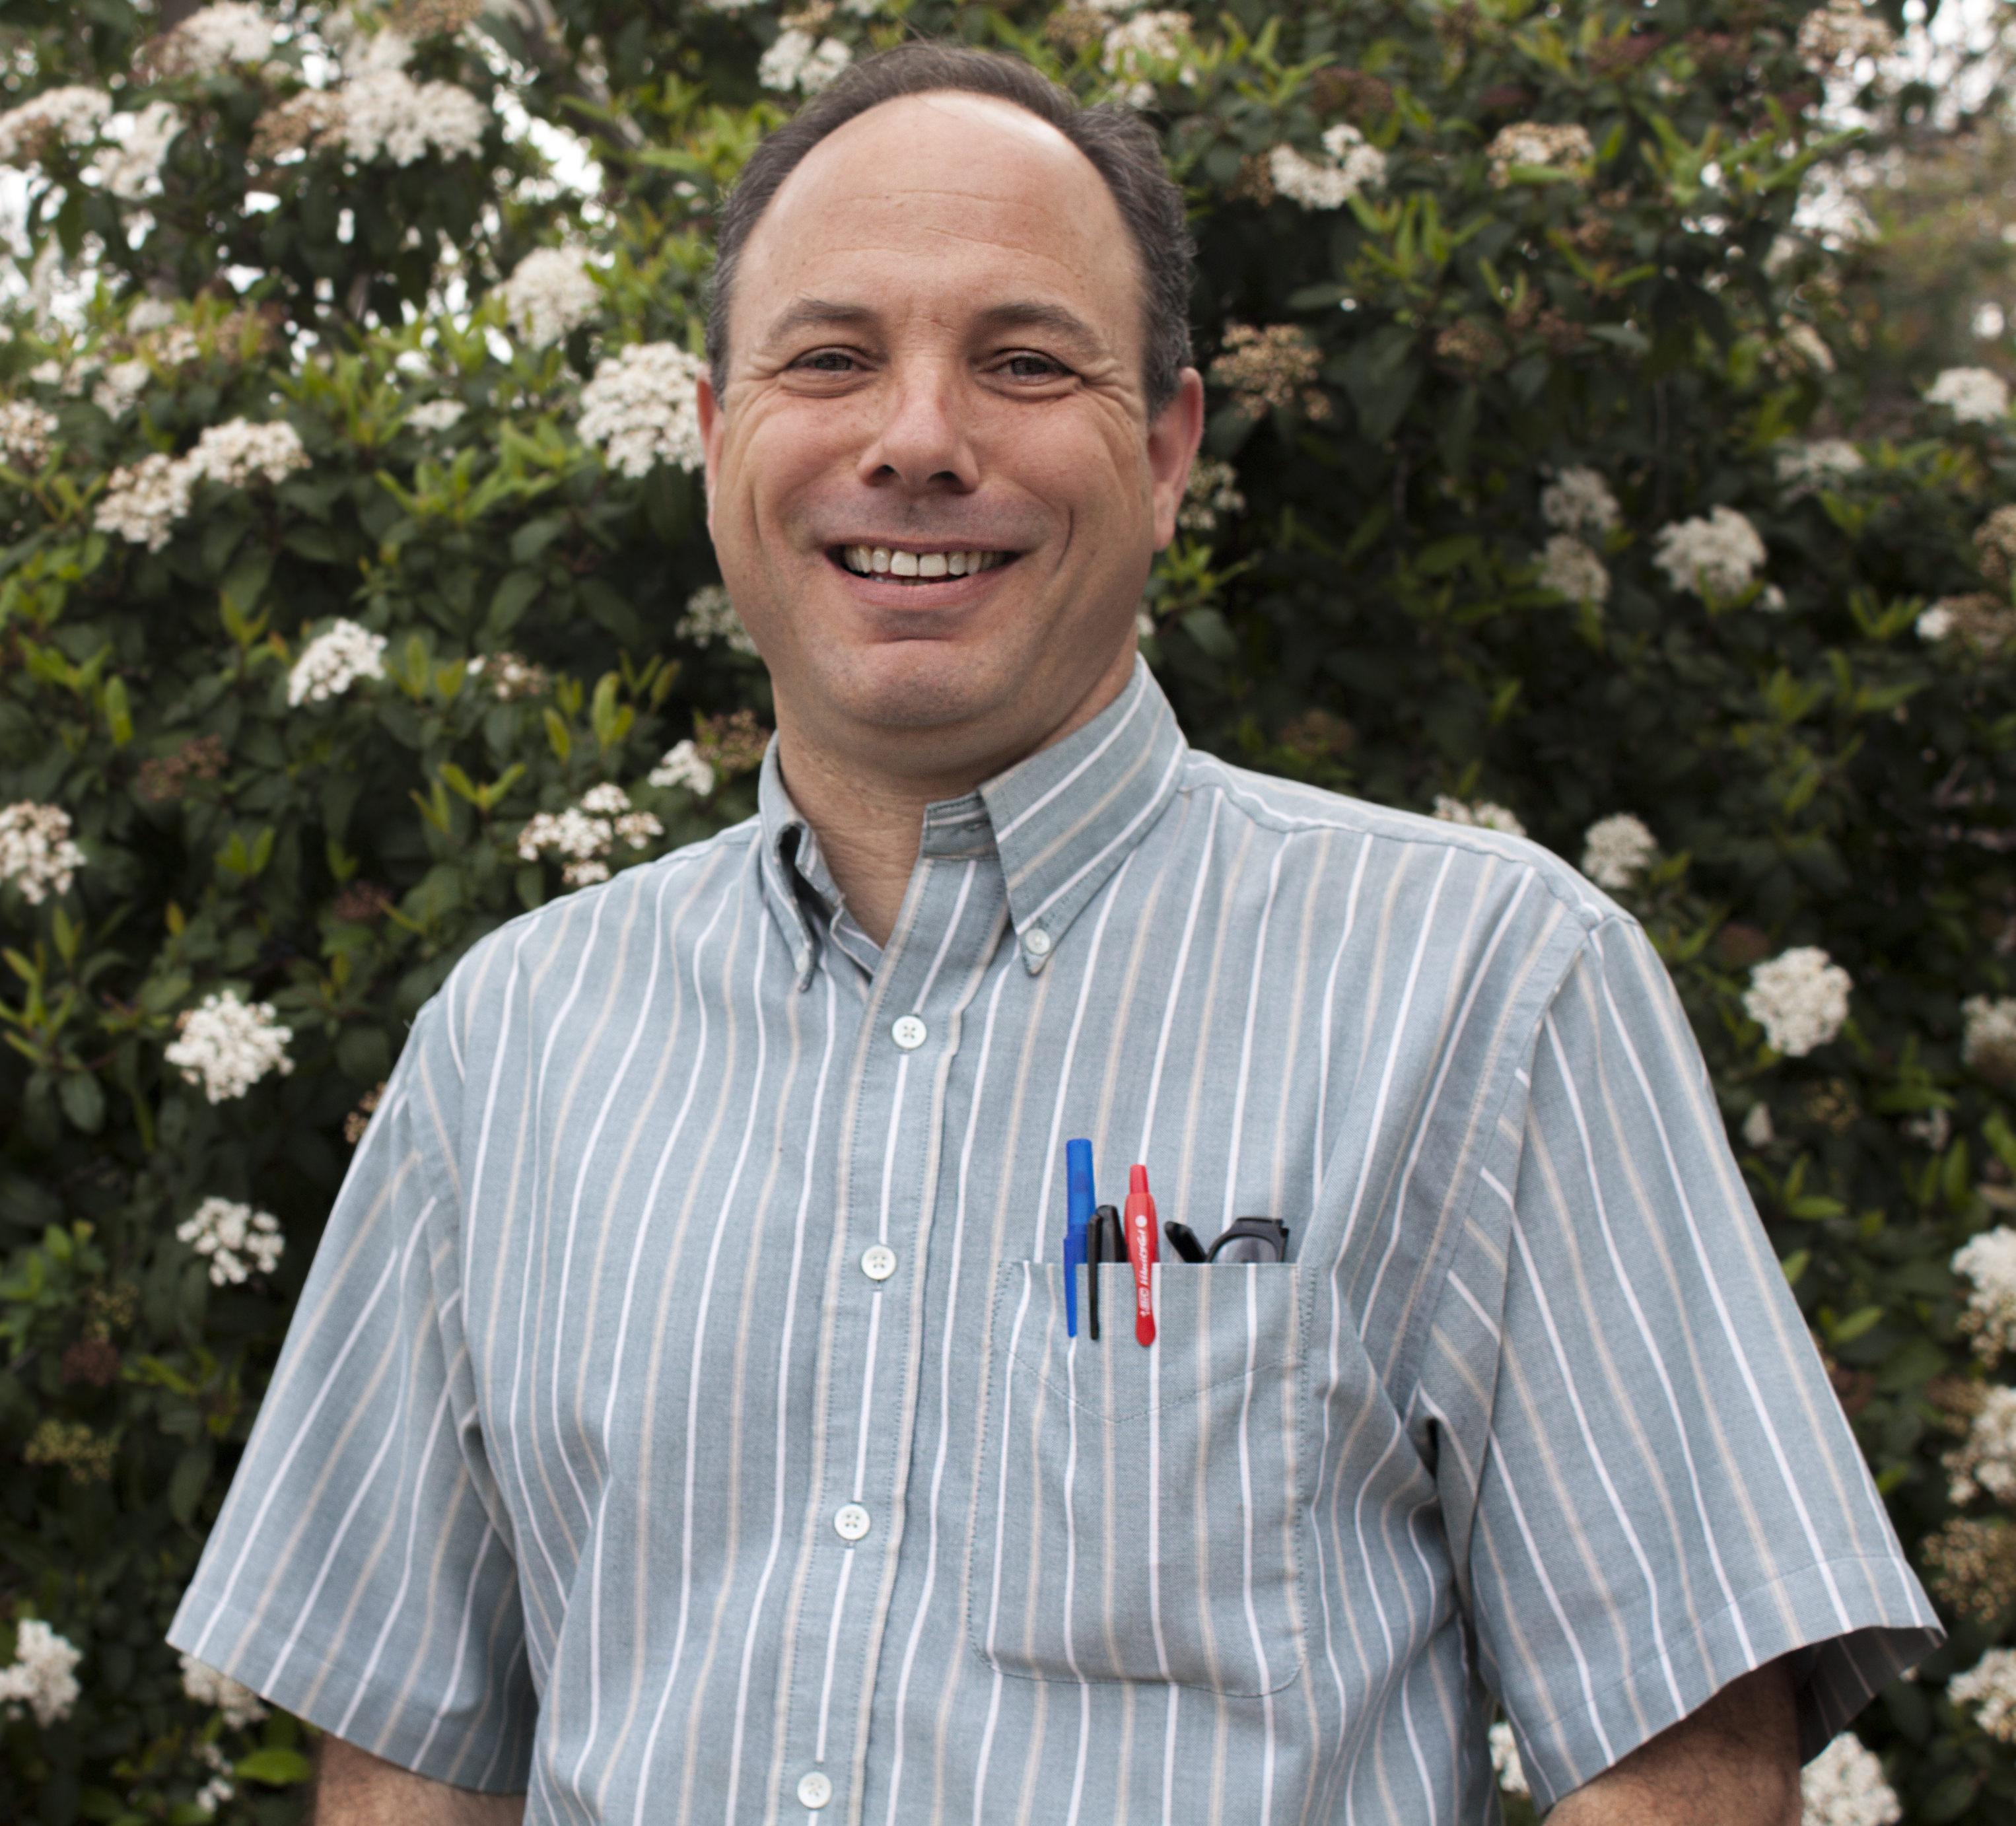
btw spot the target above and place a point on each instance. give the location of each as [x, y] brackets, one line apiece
[1036, 942]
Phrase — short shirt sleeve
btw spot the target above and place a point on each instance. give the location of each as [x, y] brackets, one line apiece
[362, 1572]
[1651, 1486]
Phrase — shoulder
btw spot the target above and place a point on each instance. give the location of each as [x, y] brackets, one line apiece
[1390, 837]
[524, 950]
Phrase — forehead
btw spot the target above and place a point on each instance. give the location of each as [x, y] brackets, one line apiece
[938, 201]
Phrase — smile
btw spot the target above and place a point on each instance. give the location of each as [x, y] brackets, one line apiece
[921, 566]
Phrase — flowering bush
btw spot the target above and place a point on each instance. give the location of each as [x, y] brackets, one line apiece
[355, 596]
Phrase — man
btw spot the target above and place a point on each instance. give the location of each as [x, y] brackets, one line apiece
[682, 1421]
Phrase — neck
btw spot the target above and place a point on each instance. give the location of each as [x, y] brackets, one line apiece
[868, 808]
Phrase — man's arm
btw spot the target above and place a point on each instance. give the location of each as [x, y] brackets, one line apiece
[1734, 1762]
[353, 1787]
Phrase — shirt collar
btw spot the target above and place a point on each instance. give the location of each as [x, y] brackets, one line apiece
[1062, 821]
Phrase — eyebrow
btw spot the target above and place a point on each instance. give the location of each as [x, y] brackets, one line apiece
[808, 313]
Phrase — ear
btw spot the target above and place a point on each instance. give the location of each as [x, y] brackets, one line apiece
[1173, 438]
[713, 426]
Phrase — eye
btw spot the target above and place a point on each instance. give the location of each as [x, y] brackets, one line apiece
[827, 362]
[1026, 364]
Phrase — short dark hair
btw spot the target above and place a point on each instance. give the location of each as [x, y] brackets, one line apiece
[1121, 146]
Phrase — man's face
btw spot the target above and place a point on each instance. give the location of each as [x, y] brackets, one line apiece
[932, 485]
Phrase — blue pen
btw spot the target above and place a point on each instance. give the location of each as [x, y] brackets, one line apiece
[1077, 1225]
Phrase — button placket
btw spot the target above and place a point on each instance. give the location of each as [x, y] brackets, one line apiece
[885, 1202]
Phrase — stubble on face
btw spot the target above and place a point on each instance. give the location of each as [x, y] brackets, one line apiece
[935, 359]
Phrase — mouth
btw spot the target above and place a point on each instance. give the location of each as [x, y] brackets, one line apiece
[906, 564]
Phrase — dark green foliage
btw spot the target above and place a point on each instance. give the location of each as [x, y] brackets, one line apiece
[1816, 771]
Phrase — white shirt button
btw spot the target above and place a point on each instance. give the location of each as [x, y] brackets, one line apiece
[909, 1032]
[878, 1261]
[850, 1522]
[1036, 942]
[814, 1789]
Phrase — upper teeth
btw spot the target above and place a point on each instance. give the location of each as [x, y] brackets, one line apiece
[884, 560]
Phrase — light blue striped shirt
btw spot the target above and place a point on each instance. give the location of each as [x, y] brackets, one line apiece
[680, 1419]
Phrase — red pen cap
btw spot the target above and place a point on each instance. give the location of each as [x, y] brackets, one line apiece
[1143, 1252]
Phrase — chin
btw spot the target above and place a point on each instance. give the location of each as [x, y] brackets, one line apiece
[919, 684]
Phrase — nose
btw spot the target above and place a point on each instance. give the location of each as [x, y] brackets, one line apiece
[922, 443]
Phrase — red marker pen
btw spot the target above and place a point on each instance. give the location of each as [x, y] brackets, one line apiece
[1142, 1251]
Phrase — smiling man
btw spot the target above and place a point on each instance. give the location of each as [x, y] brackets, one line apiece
[684, 1421]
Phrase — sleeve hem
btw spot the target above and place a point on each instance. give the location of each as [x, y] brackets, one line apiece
[305, 1687]
[1843, 1670]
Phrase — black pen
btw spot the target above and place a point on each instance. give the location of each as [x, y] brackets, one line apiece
[1106, 1242]
[1183, 1240]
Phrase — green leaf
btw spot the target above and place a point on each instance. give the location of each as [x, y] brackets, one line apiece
[533, 538]
[1206, 627]
[83, 1099]
[274, 1767]
[118, 711]
[190, 1479]
[1911, 1366]
[514, 596]
[1850, 1329]
[561, 743]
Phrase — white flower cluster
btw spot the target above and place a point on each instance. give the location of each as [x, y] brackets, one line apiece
[798, 61]
[41, 1676]
[643, 408]
[1212, 490]
[1974, 396]
[143, 501]
[1803, 467]
[239, 452]
[1579, 500]
[1615, 848]
[1989, 1690]
[549, 293]
[1844, 1786]
[1505, 1760]
[1483, 814]
[26, 432]
[119, 387]
[1801, 346]
[1932, 1129]
[1800, 998]
[1716, 555]
[36, 853]
[218, 1790]
[130, 167]
[433, 416]
[213, 36]
[237, 1240]
[206, 1686]
[386, 112]
[1841, 31]
[1570, 568]
[711, 615]
[510, 676]
[1349, 166]
[333, 661]
[684, 765]
[1988, 1035]
[587, 832]
[1533, 143]
[1132, 49]
[227, 1046]
[70, 116]
[1986, 1461]
[1989, 1262]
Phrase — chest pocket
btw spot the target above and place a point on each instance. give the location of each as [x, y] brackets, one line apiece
[1139, 1508]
